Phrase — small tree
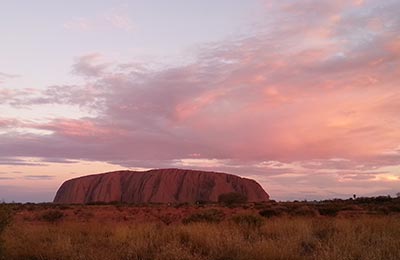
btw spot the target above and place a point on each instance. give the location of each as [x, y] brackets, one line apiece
[232, 198]
[398, 194]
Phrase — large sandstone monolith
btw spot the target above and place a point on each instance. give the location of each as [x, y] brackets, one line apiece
[157, 186]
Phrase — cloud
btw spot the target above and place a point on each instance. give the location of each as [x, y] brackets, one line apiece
[309, 99]
[6, 76]
[78, 24]
[6, 178]
[8, 122]
[252, 99]
[120, 21]
[18, 161]
[89, 65]
[112, 19]
[38, 177]
[17, 97]
[58, 160]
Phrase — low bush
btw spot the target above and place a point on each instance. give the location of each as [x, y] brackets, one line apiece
[64, 207]
[83, 215]
[232, 198]
[261, 205]
[167, 219]
[270, 212]
[304, 211]
[328, 210]
[248, 220]
[5, 216]
[52, 215]
[5, 220]
[209, 216]
[394, 208]
[182, 205]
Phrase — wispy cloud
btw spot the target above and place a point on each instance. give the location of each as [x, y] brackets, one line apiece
[38, 177]
[120, 21]
[90, 65]
[114, 19]
[18, 161]
[79, 24]
[6, 178]
[263, 100]
[309, 100]
[7, 76]
[8, 122]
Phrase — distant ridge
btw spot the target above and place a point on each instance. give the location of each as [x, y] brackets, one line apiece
[157, 186]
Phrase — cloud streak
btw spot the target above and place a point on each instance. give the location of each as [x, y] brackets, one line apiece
[38, 177]
[113, 19]
[6, 76]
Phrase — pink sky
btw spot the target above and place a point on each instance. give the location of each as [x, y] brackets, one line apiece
[307, 102]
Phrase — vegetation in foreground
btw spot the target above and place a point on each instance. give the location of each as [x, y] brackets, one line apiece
[365, 229]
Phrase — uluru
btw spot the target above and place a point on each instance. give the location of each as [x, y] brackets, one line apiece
[157, 186]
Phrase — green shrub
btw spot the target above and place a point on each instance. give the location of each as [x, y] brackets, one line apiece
[52, 215]
[307, 248]
[261, 205]
[270, 212]
[304, 211]
[182, 205]
[84, 215]
[232, 198]
[5, 216]
[210, 216]
[329, 210]
[167, 219]
[248, 220]
[64, 207]
[5, 220]
[384, 210]
[394, 208]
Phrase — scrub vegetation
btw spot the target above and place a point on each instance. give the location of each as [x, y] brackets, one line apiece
[365, 228]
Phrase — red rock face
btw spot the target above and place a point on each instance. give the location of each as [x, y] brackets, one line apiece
[158, 186]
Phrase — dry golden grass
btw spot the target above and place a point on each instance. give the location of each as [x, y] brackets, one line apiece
[364, 237]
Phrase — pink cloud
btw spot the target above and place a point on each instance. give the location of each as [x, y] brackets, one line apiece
[90, 65]
[79, 24]
[120, 21]
[113, 19]
[78, 129]
[8, 122]
[321, 84]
